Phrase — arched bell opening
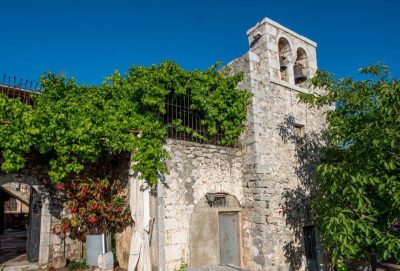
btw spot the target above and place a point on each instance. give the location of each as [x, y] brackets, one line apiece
[285, 53]
[216, 231]
[24, 221]
[301, 67]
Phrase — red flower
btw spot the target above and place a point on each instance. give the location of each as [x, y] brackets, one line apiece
[93, 219]
[74, 210]
[65, 227]
[60, 186]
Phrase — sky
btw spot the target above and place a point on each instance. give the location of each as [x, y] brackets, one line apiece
[90, 39]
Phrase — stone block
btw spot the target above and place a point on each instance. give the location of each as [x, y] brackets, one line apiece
[171, 224]
[122, 247]
[262, 197]
[263, 168]
[260, 204]
[258, 219]
[173, 253]
[58, 262]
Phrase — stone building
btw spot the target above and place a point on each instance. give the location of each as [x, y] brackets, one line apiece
[247, 205]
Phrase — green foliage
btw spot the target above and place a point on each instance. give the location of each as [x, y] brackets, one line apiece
[358, 206]
[182, 267]
[77, 265]
[17, 137]
[342, 267]
[76, 125]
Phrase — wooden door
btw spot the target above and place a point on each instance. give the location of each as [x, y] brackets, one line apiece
[310, 248]
[229, 243]
[35, 210]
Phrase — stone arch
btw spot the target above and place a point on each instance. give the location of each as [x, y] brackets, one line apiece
[285, 54]
[215, 216]
[45, 226]
[301, 66]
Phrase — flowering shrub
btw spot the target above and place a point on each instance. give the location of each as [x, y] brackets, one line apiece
[95, 206]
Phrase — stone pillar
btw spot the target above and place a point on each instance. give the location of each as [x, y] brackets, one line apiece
[256, 205]
[270, 161]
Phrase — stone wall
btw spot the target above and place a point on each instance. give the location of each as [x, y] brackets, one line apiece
[195, 169]
[277, 160]
[269, 174]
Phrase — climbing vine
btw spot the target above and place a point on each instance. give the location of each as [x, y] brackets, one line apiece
[77, 124]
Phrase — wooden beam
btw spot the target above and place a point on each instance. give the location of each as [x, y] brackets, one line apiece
[5, 122]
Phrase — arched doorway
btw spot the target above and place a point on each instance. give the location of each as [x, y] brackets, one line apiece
[38, 219]
[215, 231]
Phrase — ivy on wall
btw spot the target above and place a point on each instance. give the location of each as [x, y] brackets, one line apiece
[76, 124]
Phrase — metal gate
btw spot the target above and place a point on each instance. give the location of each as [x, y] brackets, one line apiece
[35, 210]
[229, 243]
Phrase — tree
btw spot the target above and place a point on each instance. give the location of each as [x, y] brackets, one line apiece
[357, 207]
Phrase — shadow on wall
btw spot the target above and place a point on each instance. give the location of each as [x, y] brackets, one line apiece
[296, 204]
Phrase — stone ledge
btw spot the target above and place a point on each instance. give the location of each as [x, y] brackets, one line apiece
[284, 28]
[291, 86]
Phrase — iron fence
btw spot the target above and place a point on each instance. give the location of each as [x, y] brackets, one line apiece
[19, 88]
[178, 108]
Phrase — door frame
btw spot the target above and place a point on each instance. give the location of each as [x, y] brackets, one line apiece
[45, 220]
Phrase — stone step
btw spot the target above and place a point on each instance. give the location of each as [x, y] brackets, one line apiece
[25, 267]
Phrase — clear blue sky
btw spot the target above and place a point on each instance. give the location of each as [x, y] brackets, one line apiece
[90, 39]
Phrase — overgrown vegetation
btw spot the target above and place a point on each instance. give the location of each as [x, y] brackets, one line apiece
[75, 125]
[77, 265]
[358, 207]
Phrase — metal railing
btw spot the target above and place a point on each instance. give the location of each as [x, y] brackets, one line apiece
[19, 88]
[178, 109]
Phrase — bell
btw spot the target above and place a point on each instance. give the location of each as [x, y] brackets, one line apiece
[283, 62]
[299, 76]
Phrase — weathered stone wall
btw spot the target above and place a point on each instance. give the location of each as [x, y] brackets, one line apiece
[277, 164]
[195, 169]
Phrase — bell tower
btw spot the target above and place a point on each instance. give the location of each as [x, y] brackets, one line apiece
[275, 185]
[291, 58]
